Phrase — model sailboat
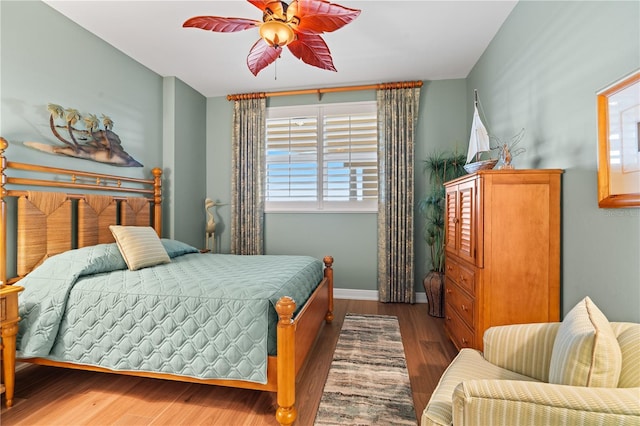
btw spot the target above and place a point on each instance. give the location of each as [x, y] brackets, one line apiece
[478, 143]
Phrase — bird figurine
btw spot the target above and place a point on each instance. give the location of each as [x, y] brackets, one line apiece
[210, 228]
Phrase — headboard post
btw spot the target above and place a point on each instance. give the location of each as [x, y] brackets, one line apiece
[157, 200]
[3, 212]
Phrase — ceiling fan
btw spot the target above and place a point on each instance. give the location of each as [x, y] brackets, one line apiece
[297, 25]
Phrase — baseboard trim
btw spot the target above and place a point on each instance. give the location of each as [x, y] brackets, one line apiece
[346, 293]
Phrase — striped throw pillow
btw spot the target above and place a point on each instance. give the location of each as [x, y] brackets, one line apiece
[586, 351]
[139, 245]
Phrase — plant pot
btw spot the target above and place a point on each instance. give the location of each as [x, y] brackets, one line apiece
[434, 289]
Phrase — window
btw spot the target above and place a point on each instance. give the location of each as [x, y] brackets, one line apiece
[322, 158]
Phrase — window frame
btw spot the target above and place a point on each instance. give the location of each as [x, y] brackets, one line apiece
[321, 205]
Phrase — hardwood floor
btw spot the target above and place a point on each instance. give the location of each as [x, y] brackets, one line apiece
[56, 396]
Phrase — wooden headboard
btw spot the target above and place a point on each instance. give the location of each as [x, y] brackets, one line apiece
[75, 211]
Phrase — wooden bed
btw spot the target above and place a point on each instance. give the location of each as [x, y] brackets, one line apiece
[137, 202]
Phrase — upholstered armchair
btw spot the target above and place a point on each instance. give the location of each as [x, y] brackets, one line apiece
[583, 371]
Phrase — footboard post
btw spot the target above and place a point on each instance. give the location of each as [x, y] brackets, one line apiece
[286, 413]
[328, 273]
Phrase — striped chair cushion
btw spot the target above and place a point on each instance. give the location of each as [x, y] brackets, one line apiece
[523, 348]
[140, 246]
[586, 351]
[468, 365]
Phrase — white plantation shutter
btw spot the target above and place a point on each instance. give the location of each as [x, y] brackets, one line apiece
[322, 158]
[292, 159]
[350, 162]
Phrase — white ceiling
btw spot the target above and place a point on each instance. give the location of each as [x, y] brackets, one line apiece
[390, 41]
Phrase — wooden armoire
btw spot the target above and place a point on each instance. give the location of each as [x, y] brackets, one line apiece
[502, 241]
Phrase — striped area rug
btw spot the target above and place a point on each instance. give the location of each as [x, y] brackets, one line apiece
[368, 382]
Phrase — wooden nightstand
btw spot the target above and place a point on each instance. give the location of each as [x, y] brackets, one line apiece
[9, 328]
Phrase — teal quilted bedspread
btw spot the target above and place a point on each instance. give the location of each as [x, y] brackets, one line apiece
[202, 315]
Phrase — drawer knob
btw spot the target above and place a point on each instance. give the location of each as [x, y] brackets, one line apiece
[448, 291]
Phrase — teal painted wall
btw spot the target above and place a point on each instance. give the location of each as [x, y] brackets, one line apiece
[219, 167]
[541, 73]
[441, 128]
[184, 142]
[48, 59]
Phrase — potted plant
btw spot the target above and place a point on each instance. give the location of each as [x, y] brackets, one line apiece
[440, 168]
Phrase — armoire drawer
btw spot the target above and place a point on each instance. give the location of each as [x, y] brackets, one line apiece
[461, 275]
[461, 335]
[460, 302]
[466, 279]
[451, 269]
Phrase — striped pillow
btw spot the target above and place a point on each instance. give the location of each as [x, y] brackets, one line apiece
[586, 351]
[140, 246]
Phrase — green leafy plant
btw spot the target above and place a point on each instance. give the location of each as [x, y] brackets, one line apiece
[440, 168]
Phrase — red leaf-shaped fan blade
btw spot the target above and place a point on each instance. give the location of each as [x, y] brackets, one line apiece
[320, 16]
[261, 55]
[274, 5]
[260, 4]
[220, 24]
[312, 50]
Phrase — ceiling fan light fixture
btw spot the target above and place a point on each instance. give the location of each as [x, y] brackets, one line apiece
[277, 33]
[298, 25]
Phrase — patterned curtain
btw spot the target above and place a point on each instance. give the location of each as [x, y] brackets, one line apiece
[247, 197]
[397, 117]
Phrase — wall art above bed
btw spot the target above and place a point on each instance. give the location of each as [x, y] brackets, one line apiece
[89, 143]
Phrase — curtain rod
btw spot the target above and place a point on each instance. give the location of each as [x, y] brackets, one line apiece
[319, 92]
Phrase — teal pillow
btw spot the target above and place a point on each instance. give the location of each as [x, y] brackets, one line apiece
[177, 248]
